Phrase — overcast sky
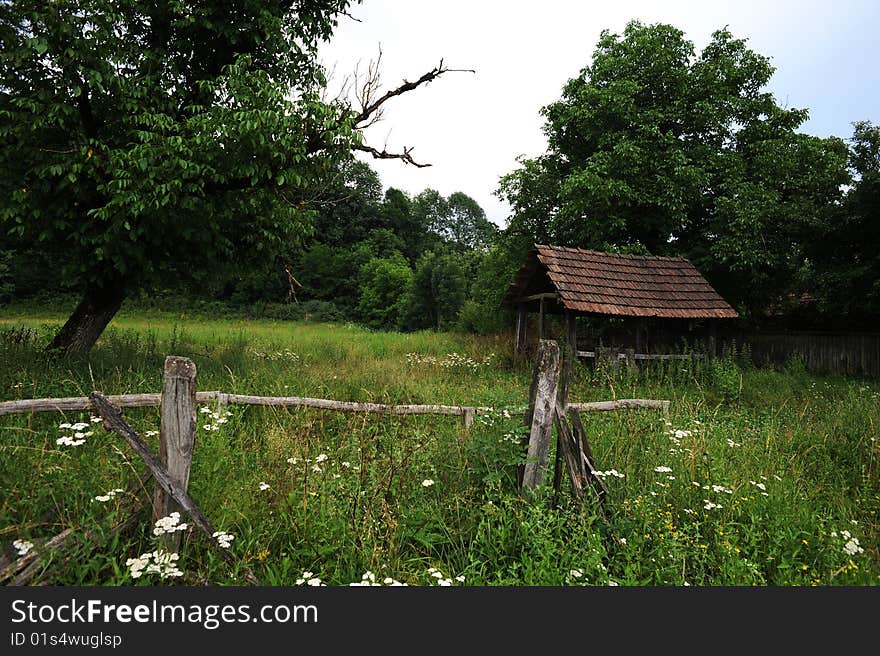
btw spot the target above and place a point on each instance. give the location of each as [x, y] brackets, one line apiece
[472, 126]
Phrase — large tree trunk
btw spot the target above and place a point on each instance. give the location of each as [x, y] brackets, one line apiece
[98, 306]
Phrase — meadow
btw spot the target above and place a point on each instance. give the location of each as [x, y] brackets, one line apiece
[759, 476]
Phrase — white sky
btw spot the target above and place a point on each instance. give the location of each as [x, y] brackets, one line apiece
[472, 126]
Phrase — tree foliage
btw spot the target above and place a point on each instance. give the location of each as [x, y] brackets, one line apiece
[844, 255]
[655, 148]
[146, 139]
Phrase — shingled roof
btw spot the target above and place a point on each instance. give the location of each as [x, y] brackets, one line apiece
[620, 285]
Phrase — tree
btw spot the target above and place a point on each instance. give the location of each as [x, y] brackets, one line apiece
[458, 220]
[347, 208]
[398, 216]
[385, 284]
[439, 288]
[844, 256]
[145, 139]
[655, 149]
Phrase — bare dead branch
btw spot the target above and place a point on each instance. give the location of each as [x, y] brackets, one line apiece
[384, 154]
[372, 104]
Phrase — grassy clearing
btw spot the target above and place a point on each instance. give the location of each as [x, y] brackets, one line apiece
[773, 475]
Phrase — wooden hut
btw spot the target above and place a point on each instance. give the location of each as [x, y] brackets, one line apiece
[659, 296]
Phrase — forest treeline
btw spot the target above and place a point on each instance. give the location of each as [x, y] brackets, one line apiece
[652, 148]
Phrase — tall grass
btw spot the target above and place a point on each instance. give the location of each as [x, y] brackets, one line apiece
[772, 474]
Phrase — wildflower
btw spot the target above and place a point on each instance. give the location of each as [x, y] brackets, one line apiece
[159, 562]
[610, 472]
[852, 546]
[760, 486]
[441, 579]
[428, 482]
[345, 464]
[679, 434]
[711, 505]
[22, 546]
[223, 538]
[95, 420]
[292, 461]
[731, 443]
[151, 433]
[69, 441]
[321, 457]
[317, 468]
[662, 470]
[264, 486]
[106, 497]
[169, 524]
[721, 488]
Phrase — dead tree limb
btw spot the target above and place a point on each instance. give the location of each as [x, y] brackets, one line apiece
[113, 421]
[372, 105]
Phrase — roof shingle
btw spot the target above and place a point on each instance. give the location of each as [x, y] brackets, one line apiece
[623, 285]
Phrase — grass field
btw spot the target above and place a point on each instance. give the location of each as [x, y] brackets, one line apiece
[762, 477]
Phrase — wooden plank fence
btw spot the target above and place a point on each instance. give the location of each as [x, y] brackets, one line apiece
[854, 354]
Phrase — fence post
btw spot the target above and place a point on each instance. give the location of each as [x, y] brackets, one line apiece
[542, 406]
[177, 434]
[467, 418]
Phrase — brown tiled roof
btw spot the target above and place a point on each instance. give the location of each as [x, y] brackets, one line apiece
[623, 285]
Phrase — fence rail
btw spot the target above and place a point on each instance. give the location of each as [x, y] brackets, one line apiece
[152, 400]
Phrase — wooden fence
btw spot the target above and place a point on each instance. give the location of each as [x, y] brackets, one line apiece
[178, 400]
[854, 354]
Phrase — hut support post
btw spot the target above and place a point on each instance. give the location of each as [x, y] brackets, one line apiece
[541, 318]
[522, 318]
[570, 355]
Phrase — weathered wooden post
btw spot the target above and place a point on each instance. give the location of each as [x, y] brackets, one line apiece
[570, 354]
[564, 386]
[522, 318]
[467, 418]
[631, 366]
[541, 318]
[177, 434]
[542, 406]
